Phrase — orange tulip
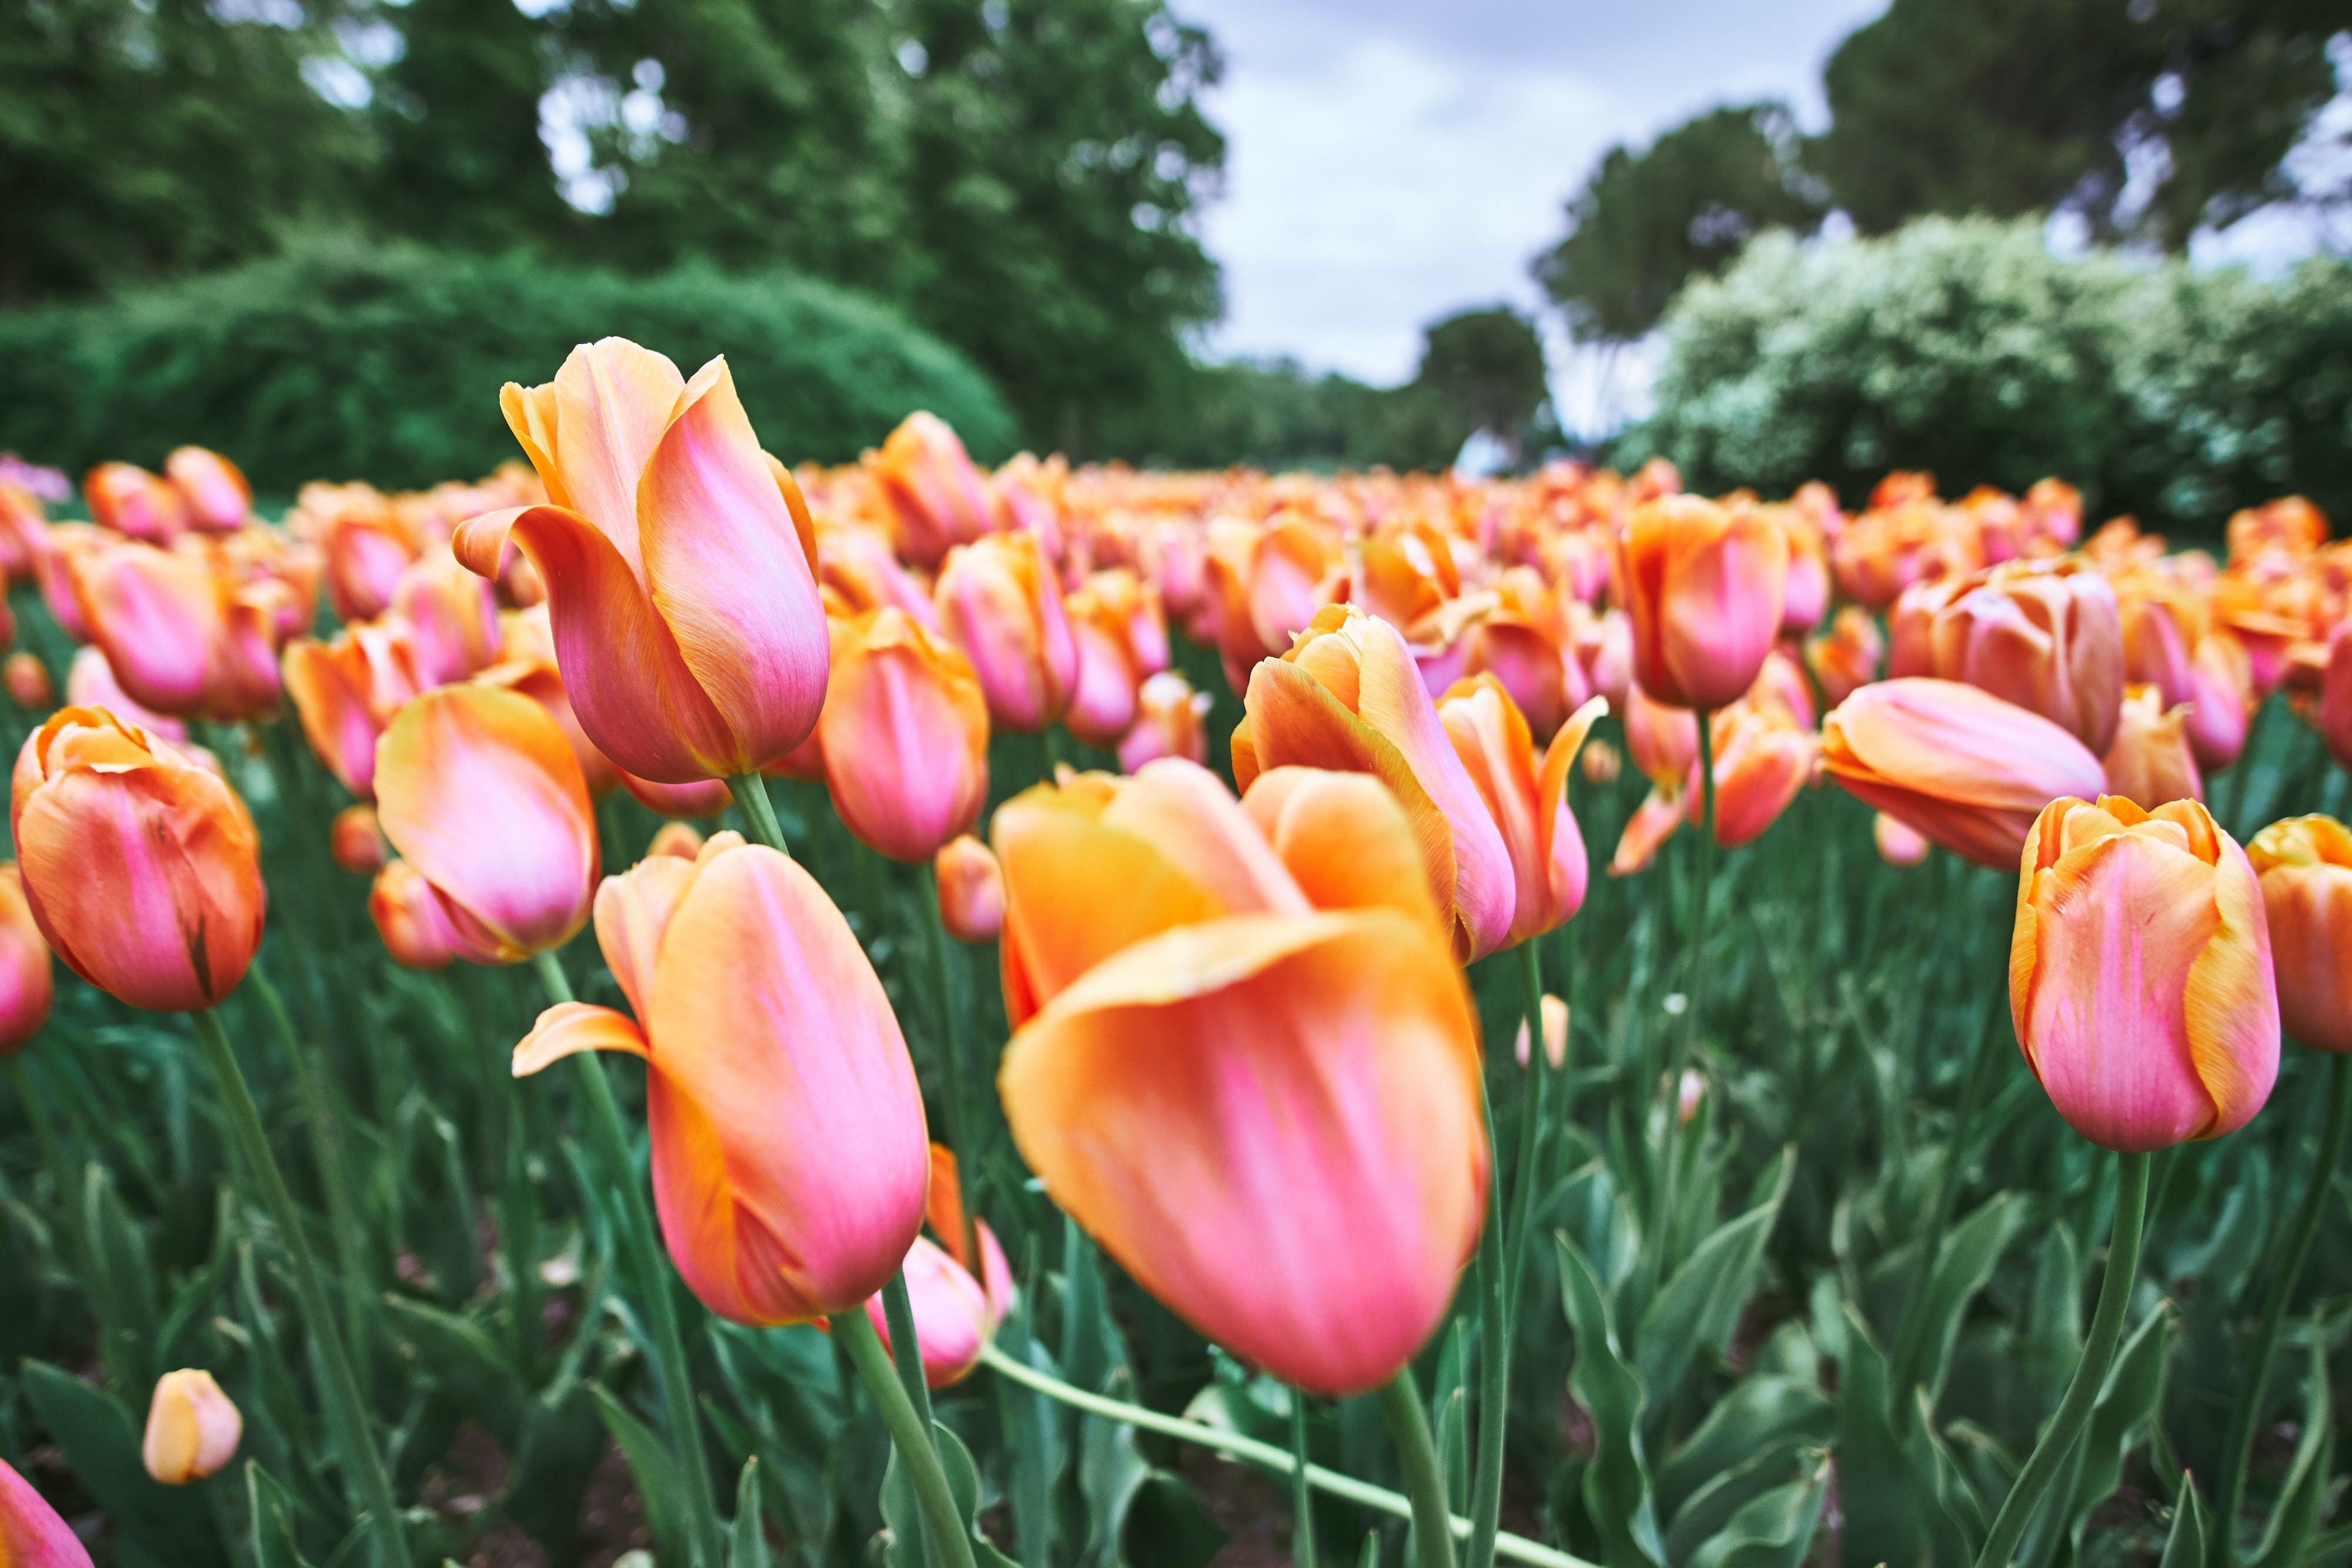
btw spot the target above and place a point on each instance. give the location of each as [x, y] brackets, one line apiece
[355, 842]
[971, 890]
[1761, 759]
[526, 663]
[1806, 597]
[1899, 843]
[2305, 865]
[2044, 634]
[999, 601]
[452, 617]
[2150, 761]
[1168, 722]
[52, 571]
[1555, 1033]
[23, 532]
[192, 1429]
[1958, 765]
[1704, 584]
[216, 497]
[790, 1160]
[27, 987]
[345, 691]
[478, 792]
[414, 922]
[1846, 658]
[27, 680]
[2160, 631]
[1267, 584]
[141, 866]
[2335, 708]
[855, 564]
[365, 550]
[937, 500]
[134, 503]
[2140, 975]
[31, 1533]
[180, 635]
[1646, 830]
[1524, 644]
[1525, 795]
[904, 737]
[91, 682]
[679, 567]
[1347, 697]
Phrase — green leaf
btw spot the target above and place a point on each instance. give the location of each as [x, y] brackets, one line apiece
[2184, 1544]
[563, 1439]
[657, 1472]
[459, 1356]
[272, 1509]
[1169, 1525]
[1453, 1443]
[1110, 1472]
[1775, 1531]
[2127, 1405]
[100, 1441]
[1617, 1483]
[1757, 1412]
[122, 1290]
[2302, 1503]
[197, 1294]
[747, 1542]
[1974, 1246]
[1699, 1306]
[1779, 1463]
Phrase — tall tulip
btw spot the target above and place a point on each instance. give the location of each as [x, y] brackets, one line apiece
[679, 567]
[999, 601]
[904, 736]
[31, 1533]
[141, 867]
[1704, 584]
[1527, 795]
[1762, 758]
[1103, 698]
[27, 987]
[365, 550]
[91, 682]
[452, 617]
[134, 503]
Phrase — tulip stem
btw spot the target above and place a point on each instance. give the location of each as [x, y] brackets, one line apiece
[1425, 1479]
[750, 792]
[1224, 1441]
[1654, 1261]
[951, 1048]
[338, 1387]
[2051, 1454]
[2290, 1270]
[1302, 1490]
[909, 1428]
[611, 1141]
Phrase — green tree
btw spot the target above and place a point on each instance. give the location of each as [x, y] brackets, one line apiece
[1648, 220]
[1489, 366]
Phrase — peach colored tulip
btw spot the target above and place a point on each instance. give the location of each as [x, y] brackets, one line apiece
[1954, 763]
[1554, 1028]
[1646, 830]
[1269, 584]
[1704, 584]
[1347, 696]
[1103, 700]
[2222, 676]
[412, 919]
[1663, 741]
[193, 1429]
[1604, 646]
[998, 600]
[1782, 685]
[526, 663]
[1303, 1087]
[904, 737]
[857, 564]
[971, 890]
[31, 1533]
[452, 617]
[1527, 795]
[1806, 597]
[355, 842]
[53, 570]
[26, 986]
[2161, 633]
[2140, 974]
[1762, 760]
[180, 635]
[2334, 708]
[364, 553]
[2150, 761]
[682, 839]
[478, 789]
[938, 500]
[703, 798]
[1846, 658]
[216, 497]
[1405, 571]
[91, 682]
[2044, 634]
[790, 1160]
[1169, 721]
[346, 690]
[1524, 644]
[23, 532]
[134, 503]
[1131, 604]
[27, 680]
[1899, 843]
[2304, 865]
[679, 564]
[141, 866]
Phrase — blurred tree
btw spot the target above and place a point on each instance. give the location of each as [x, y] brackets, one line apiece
[1647, 221]
[1489, 366]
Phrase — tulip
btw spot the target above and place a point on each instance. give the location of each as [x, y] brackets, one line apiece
[1782, 686]
[1704, 584]
[345, 691]
[1347, 696]
[999, 602]
[1103, 701]
[1806, 597]
[134, 503]
[91, 682]
[141, 867]
[2334, 709]
[788, 1152]
[1604, 646]
[2159, 631]
[1406, 570]
[216, 497]
[180, 635]
[2222, 673]
[452, 618]
[1646, 830]
[1600, 761]
[1527, 796]
[679, 839]
[192, 1429]
[417, 926]
[703, 798]
[366, 552]
[1957, 765]
[1846, 658]
[355, 842]
[2150, 761]
[1762, 760]
[1268, 585]
[27, 680]
[937, 500]
[904, 737]
[957, 1304]
[679, 565]
[1357, 1151]
[971, 890]
[2140, 974]
[1555, 1031]
[857, 564]
[52, 568]
[478, 792]
[1524, 644]
[1168, 722]
[1663, 741]
[31, 1533]
[23, 532]
[527, 664]
[1899, 843]
[2305, 865]
[2046, 635]
[26, 988]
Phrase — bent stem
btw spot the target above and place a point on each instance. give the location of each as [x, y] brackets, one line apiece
[1425, 1481]
[1656, 1264]
[2050, 1455]
[1224, 1441]
[750, 792]
[612, 1140]
[2298, 1249]
[338, 1387]
[910, 1430]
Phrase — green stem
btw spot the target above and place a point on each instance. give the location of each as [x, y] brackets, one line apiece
[2058, 1439]
[1302, 1490]
[362, 1463]
[1267, 1456]
[1425, 1481]
[911, 1433]
[750, 792]
[1655, 1261]
[906, 1350]
[1911, 1338]
[959, 1129]
[2290, 1270]
[612, 1140]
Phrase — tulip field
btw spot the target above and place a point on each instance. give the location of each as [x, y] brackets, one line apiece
[661, 1007]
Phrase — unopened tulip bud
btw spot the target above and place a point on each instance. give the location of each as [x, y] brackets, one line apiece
[2305, 867]
[31, 1533]
[218, 499]
[971, 890]
[27, 680]
[415, 927]
[999, 601]
[1899, 843]
[27, 987]
[1688, 1093]
[1555, 1027]
[134, 503]
[91, 682]
[1169, 721]
[680, 839]
[356, 842]
[955, 1314]
[193, 1429]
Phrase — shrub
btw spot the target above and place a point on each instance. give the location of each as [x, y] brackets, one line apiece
[336, 360]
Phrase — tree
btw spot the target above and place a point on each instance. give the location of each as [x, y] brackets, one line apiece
[1648, 221]
[1489, 366]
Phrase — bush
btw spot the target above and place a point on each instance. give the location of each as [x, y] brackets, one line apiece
[383, 363]
[1967, 349]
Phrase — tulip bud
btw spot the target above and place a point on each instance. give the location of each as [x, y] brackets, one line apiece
[1554, 1028]
[355, 842]
[679, 839]
[955, 1315]
[1899, 843]
[1688, 1093]
[1761, 759]
[365, 551]
[142, 867]
[971, 890]
[27, 680]
[2046, 635]
[2140, 974]
[1663, 741]
[452, 617]
[1525, 795]
[1704, 584]
[31, 1533]
[27, 987]
[1653, 822]
[193, 1429]
[904, 736]
[412, 920]
[1103, 701]
[179, 633]
[2304, 865]
[1168, 722]
[218, 499]
[2150, 761]
[999, 602]
[345, 691]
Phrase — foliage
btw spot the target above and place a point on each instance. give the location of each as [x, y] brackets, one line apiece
[347, 360]
[1967, 350]
[1488, 366]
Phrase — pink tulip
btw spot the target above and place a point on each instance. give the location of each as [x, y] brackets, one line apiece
[31, 1533]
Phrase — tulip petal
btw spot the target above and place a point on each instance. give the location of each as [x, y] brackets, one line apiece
[570, 1027]
[613, 402]
[1344, 839]
[2232, 1004]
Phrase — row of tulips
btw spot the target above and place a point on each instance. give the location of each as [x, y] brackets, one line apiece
[1244, 1059]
